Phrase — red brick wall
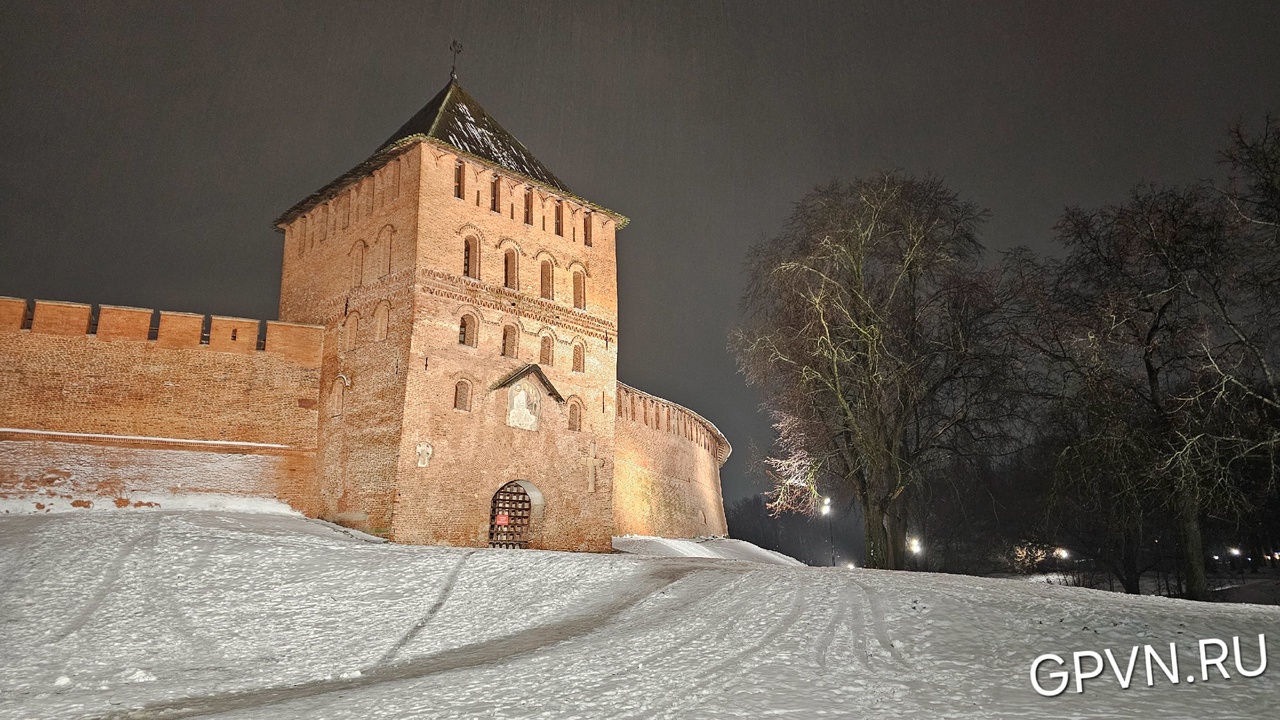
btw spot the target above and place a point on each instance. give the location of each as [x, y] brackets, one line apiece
[343, 259]
[101, 404]
[476, 452]
[667, 469]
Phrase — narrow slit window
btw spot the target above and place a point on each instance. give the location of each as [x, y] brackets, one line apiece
[467, 331]
[579, 290]
[586, 229]
[495, 192]
[546, 355]
[575, 417]
[509, 277]
[509, 339]
[560, 218]
[471, 258]
[579, 359]
[459, 181]
[548, 280]
[462, 396]
[528, 206]
[381, 321]
[350, 329]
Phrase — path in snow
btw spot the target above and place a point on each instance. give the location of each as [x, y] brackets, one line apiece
[189, 614]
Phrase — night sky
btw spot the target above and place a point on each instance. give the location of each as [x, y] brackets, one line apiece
[148, 146]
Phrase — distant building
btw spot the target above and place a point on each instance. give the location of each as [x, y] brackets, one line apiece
[444, 372]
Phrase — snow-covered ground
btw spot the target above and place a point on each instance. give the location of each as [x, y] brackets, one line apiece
[175, 614]
[712, 547]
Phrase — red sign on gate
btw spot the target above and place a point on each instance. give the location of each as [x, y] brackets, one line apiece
[501, 520]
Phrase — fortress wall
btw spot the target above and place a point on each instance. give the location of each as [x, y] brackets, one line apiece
[666, 469]
[150, 403]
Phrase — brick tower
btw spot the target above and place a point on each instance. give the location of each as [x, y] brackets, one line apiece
[469, 377]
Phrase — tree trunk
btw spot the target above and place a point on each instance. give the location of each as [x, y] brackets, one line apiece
[1192, 548]
[897, 531]
[879, 550]
[885, 531]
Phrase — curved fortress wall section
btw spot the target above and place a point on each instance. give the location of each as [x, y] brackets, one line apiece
[666, 469]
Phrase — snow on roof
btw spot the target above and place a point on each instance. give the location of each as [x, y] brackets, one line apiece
[455, 119]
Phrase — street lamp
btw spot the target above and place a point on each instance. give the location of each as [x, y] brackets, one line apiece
[1235, 551]
[913, 544]
[831, 539]
[1062, 554]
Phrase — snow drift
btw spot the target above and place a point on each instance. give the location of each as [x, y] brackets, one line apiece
[171, 614]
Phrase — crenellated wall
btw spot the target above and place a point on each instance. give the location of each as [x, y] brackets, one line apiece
[666, 469]
[460, 336]
[127, 401]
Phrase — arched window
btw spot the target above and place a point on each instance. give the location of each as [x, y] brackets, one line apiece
[575, 416]
[381, 320]
[510, 278]
[380, 261]
[548, 280]
[462, 396]
[579, 290]
[350, 331]
[495, 194]
[579, 359]
[471, 257]
[510, 338]
[547, 354]
[467, 331]
[356, 260]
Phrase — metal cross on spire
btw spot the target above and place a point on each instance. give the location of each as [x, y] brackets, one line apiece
[456, 47]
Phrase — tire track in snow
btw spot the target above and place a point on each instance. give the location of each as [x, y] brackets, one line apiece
[823, 643]
[109, 579]
[443, 595]
[684, 706]
[683, 603]
[495, 651]
[877, 624]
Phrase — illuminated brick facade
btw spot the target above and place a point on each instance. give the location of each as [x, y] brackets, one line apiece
[450, 327]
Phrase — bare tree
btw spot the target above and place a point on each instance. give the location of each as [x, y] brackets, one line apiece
[874, 336]
[1138, 322]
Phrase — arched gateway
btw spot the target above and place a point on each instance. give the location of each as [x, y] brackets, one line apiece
[515, 507]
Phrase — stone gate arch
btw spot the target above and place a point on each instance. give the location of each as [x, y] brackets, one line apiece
[515, 515]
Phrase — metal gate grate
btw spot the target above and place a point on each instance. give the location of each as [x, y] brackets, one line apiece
[509, 518]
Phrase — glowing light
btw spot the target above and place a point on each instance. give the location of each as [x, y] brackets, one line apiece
[1235, 551]
[1215, 557]
[1062, 553]
[826, 509]
[913, 544]
[851, 566]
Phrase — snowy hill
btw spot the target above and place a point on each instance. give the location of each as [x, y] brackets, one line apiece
[715, 547]
[172, 614]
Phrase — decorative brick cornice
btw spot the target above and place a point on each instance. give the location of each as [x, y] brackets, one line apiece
[506, 300]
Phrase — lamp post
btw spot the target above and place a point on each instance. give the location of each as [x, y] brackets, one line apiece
[831, 540]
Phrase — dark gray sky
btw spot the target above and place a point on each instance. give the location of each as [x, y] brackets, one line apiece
[147, 146]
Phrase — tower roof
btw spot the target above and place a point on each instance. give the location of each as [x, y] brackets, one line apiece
[452, 118]
[456, 119]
